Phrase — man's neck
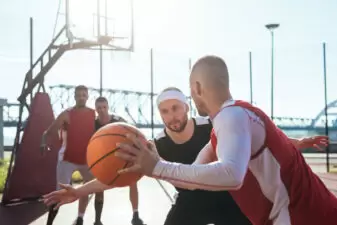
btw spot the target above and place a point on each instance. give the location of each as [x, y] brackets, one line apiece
[184, 136]
[215, 107]
[80, 106]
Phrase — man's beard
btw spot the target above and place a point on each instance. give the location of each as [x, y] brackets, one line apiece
[181, 128]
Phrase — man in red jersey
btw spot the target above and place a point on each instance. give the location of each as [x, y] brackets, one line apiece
[260, 166]
[77, 125]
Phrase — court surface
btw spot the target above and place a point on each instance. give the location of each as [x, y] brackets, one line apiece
[153, 207]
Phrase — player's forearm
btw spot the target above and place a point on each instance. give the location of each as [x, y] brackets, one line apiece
[91, 187]
[51, 129]
[214, 176]
[47, 132]
[46, 135]
[56, 125]
[205, 157]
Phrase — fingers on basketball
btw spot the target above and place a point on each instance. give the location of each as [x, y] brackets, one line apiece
[133, 168]
[103, 163]
[125, 155]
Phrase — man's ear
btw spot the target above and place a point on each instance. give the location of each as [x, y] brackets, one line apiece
[198, 88]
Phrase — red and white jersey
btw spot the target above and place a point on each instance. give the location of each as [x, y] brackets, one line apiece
[266, 175]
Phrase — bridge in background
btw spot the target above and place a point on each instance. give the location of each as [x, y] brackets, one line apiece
[136, 108]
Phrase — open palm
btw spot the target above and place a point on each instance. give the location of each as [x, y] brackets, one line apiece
[66, 195]
[318, 142]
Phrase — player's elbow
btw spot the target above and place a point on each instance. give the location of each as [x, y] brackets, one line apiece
[237, 184]
[238, 177]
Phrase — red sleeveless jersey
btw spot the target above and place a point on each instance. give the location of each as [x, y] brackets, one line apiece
[310, 202]
[79, 131]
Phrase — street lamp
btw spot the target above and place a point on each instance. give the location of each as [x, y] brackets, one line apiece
[271, 27]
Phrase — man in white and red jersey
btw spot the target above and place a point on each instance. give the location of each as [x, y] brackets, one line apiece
[260, 166]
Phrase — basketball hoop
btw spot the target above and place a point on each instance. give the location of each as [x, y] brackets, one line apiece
[110, 25]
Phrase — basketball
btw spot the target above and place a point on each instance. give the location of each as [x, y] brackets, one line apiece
[101, 160]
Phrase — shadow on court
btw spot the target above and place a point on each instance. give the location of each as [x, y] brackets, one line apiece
[22, 214]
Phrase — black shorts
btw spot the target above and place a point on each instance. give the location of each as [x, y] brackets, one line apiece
[194, 209]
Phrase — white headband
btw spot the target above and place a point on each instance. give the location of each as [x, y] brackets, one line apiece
[171, 94]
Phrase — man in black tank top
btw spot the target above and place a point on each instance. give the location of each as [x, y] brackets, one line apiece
[181, 141]
[102, 108]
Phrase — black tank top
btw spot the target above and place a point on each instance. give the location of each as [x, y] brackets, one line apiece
[186, 153]
[114, 119]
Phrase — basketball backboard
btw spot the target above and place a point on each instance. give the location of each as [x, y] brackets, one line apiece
[106, 21]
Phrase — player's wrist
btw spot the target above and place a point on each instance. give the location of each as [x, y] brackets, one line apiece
[81, 191]
[159, 168]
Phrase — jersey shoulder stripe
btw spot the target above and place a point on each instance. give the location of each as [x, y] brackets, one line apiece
[161, 135]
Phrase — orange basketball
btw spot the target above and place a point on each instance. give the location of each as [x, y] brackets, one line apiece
[101, 160]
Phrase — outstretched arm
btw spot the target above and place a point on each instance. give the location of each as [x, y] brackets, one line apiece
[69, 194]
[91, 187]
[233, 152]
[57, 124]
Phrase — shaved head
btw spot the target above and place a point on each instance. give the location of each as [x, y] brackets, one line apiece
[209, 82]
[211, 70]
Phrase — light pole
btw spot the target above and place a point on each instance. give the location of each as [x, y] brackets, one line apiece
[250, 77]
[271, 27]
[326, 108]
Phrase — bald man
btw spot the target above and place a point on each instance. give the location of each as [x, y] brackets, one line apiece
[248, 155]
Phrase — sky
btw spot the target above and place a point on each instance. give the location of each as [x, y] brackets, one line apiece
[183, 30]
